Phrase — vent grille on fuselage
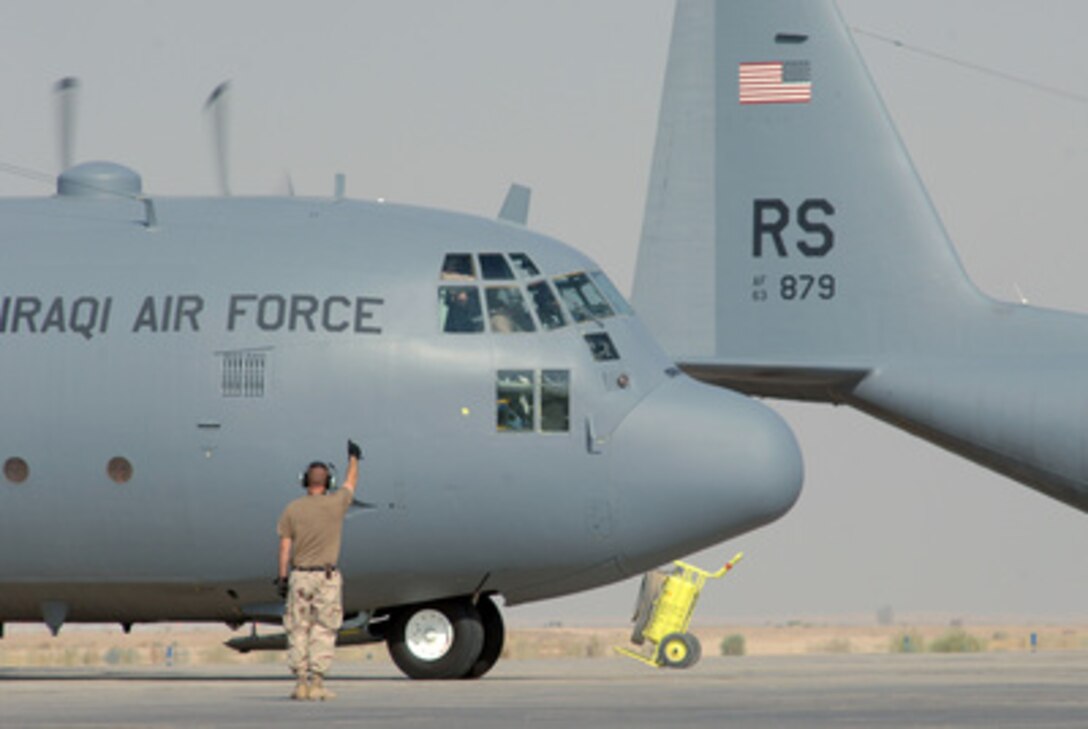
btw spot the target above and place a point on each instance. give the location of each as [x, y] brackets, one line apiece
[244, 374]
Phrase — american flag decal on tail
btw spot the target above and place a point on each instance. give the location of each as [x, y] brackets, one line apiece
[777, 82]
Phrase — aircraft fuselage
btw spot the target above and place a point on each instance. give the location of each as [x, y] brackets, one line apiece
[164, 387]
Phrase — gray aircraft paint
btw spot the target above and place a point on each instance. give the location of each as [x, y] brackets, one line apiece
[646, 473]
[860, 299]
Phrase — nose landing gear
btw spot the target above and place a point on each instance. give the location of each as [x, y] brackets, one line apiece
[450, 639]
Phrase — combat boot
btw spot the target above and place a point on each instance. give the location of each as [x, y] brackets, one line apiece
[302, 689]
[318, 692]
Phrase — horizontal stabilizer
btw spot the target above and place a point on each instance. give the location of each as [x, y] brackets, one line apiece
[788, 382]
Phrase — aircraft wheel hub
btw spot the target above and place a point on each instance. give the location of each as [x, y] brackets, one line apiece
[428, 635]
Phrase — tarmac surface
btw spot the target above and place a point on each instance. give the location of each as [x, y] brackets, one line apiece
[978, 690]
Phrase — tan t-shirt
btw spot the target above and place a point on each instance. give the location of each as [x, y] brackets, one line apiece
[314, 524]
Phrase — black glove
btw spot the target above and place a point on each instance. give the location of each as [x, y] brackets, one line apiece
[281, 586]
[354, 451]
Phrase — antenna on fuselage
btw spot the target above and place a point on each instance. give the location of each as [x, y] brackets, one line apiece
[66, 92]
[217, 107]
[515, 208]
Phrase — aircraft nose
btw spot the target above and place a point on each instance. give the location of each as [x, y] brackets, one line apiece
[693, 465]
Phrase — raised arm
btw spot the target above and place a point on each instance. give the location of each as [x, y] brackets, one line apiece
[355, 454]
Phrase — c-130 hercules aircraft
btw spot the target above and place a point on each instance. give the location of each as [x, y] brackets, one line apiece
[171, 363]
[525, 436]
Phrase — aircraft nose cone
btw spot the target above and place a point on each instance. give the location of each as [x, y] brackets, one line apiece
[693, 465]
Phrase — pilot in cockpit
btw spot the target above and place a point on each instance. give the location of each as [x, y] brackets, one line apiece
[462, 310]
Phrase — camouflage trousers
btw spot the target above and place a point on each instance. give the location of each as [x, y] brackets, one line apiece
[314, 613]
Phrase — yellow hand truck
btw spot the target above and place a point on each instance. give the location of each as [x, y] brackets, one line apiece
[666, 601]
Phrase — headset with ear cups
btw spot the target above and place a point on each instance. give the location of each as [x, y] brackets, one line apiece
[330, 484]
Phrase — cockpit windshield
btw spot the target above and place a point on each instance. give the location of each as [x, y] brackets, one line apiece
[458, 267]
[459, 310]
[495, 268]
[524, 265]
[506, 310]
[527, 303]
[547, 307]
[583, 299]
[612, 293]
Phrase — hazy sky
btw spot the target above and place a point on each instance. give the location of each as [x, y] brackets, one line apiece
[445, 103]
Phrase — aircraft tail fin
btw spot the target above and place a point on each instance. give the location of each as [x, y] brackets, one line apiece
[787, 238]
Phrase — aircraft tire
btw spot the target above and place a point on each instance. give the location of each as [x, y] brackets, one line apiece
[494, 637]
[441, 640]
[680, 650]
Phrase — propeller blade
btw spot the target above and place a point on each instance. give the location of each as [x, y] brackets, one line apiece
[218, 108]
[66, 92]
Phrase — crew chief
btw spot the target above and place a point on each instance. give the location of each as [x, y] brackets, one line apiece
[310, 529]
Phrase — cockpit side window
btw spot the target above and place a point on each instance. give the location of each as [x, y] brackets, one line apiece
[601, 347]
[583, 299]
[515, 395]
[506, 310]
[459, 310]
[547, 306]
[495, 268]
[458, 267]
[524, 265]
[612, 293]
[555, 401]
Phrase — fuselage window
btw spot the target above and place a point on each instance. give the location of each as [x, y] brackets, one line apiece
[506, 310]
[525, 266]
[494, 267]
[515, 393]
[555, 401]
[547, 306]
[458, 267]
[612, 293]
[583, 299]
[601, 347]
[459, 310]
[119, 470]
[16, 470]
